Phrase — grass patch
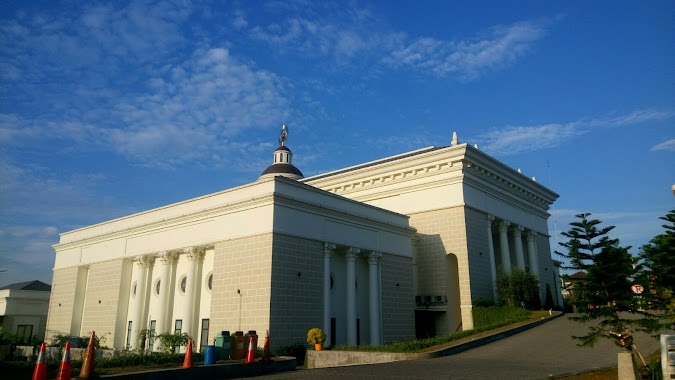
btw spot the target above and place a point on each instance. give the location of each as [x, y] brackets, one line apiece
[485, 318]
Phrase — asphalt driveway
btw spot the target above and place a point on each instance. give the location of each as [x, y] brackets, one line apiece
[539, 353]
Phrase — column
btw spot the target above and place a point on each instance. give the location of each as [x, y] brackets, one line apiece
[351, 295]
[532, 253]
[327, 251]
[166, 260]
[194, 255]
[141, 264]
[518, 245]
[374, 296]
[504, 246]
[491, 255]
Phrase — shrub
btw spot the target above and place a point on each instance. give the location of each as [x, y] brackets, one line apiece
[297, 350]
[316, 336]
[169, 342]
[518, 289]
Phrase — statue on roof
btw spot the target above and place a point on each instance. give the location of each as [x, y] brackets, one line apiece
[284, 135]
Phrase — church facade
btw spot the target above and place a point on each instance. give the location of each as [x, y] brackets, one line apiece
[373, 253]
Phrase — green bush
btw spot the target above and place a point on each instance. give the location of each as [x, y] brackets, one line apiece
[169, 342]
[298, 351]
[518, 289]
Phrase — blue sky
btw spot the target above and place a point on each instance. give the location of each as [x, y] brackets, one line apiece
[112, 108]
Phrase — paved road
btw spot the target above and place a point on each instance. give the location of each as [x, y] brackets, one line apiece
[538, 353]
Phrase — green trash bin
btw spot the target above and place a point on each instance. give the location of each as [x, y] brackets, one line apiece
[222, 343]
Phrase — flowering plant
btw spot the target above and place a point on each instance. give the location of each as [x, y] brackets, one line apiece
[316, 336]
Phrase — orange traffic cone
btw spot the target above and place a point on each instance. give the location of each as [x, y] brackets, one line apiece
[187, 362]
[250, 356]
[40, 372]
[87, 370]
[266, 358]
[64, 370]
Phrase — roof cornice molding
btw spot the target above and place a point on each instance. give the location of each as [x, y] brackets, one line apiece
[351, 218]
[470, 161]
[194, 217]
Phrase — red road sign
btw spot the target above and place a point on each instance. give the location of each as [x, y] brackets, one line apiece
[637, 288]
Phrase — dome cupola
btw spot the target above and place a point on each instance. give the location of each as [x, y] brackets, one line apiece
[283, 161]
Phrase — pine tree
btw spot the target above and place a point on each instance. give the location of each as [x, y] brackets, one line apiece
[657, 270]
[606, 288]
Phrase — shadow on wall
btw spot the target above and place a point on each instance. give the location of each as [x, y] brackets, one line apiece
[437, 298]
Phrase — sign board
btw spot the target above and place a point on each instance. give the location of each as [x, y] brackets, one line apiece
[637, 289]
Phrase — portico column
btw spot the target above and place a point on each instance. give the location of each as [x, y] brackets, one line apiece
[532, 253]
[518, 244]
[166, 260]
[504, 246]
[491, 255]
[141, 264]
[351, 295]
[374, 297]
[327, 251]
[193, 255]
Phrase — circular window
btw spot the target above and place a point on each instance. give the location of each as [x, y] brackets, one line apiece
[331, 281]
[183, 283]
[133, 289]
[157, 286]
[209, 281]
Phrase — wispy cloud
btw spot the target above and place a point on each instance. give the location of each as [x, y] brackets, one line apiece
[469, 59]
[516, 139]
[358, 35]
[666, 145]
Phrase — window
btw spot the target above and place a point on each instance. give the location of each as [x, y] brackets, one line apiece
[204, 339]
[157, 286]
[133, 287]
[183, 284]
[151, 342]
[129, 335]
[209, 281]
[177, 329]
[24, 333]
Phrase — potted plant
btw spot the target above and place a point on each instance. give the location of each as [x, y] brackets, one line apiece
[316, 336]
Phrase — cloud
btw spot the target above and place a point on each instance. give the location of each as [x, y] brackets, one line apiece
[357, 35]
[516, 139]
[469, 59]
[666, 145]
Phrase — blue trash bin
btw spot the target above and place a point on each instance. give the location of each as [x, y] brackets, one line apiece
[210, 355]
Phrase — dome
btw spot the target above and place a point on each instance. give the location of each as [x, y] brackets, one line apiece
[283, 161]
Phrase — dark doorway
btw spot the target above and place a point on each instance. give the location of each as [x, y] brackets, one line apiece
[358, 331]
[425, 324]
[332, 331]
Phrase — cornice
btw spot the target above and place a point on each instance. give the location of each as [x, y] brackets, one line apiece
[191, 218]
[336, 214]
[402, 175]
[426, 165]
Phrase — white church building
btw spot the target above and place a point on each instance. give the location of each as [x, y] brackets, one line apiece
[377, 252]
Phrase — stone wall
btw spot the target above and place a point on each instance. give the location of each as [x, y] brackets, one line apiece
[61, 302]
[297, 288]
[398, 299]
[240, 298]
